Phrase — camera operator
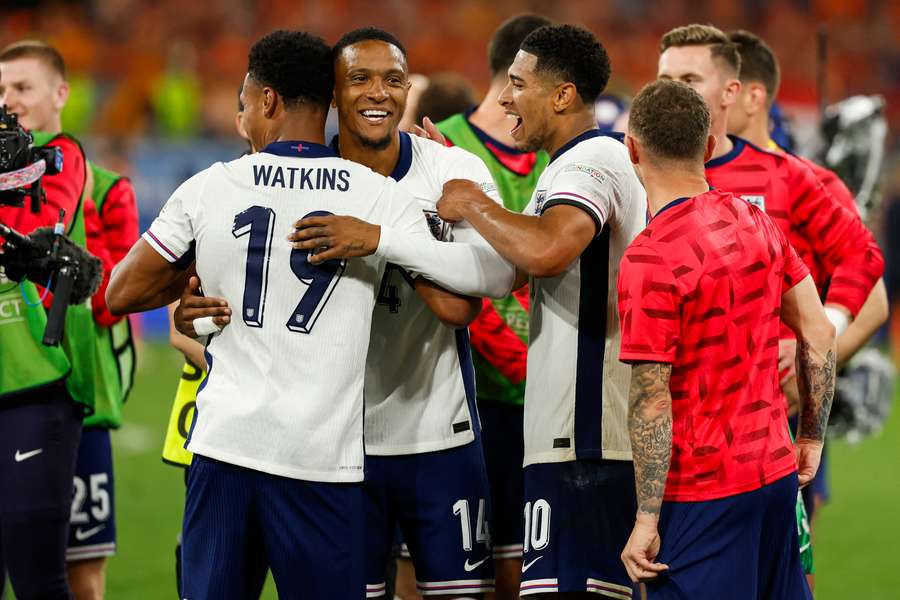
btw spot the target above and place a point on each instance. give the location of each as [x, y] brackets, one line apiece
[45, 391]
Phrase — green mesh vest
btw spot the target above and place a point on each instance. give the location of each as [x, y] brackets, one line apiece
[113, 346]
[515, 190]
[26, 362]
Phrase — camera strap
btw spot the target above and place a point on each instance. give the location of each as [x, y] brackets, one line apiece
[19, 178]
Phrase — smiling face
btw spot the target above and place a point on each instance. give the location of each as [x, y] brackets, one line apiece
[528, 100]
[34, 91]
[371, 85]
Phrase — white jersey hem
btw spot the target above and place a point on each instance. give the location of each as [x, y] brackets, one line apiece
[419, 448]
[558, 456]
[352, 476]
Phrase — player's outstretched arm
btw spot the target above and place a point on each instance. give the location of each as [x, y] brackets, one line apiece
[802, 311]
[650, 428]
[453, 310]
[542, 246]
[469, 269]
[144, 280]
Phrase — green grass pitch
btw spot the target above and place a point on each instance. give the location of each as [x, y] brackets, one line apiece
[855, 536]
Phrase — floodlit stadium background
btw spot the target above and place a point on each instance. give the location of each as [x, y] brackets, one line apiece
[154, 86]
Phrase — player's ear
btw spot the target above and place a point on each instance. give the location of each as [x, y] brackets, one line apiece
[632, 149]
[270, 102]
[710, 148]
[61, 95]
[566, 95]
[758, 97]
[730, 93]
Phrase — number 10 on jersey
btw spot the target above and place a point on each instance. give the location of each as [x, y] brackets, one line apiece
[258, 223]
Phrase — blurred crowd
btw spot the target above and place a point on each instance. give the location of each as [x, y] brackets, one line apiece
[155, 82]
[171, 68]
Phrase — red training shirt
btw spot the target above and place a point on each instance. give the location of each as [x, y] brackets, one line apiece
[700, 288]
[830, 239]
[110, 235]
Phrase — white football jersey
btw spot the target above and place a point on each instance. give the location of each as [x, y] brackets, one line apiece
[576, 391]
[284, 393]
[420, 388]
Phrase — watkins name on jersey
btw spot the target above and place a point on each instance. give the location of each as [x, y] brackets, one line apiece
[300, 178]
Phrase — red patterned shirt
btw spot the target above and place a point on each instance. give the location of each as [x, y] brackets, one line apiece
[830, 239]
[700, 288]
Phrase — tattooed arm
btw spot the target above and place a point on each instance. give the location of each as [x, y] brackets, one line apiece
[802, 311]
[650, 427]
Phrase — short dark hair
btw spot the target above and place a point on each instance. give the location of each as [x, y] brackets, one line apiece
[671, 120]
[572, 53]
[42, 51]
[446, 95]
[720, 46]
[363, 34]
[758, 62]
[507, 40]
[295, 64]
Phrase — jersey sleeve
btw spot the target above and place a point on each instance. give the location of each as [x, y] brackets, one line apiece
[172, 232]
[590, 187]
[470, 269]
[649, 307]
[62, 191]
[837, 236]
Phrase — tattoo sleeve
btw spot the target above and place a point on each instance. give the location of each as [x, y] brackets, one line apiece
[650, 427]
[815, 378]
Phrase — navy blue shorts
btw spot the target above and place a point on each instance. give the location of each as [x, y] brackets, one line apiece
[38, 445]
[440, 502]
[578, 517]
[742, 547]
[238, 521]
[92, 524]
[504, 453]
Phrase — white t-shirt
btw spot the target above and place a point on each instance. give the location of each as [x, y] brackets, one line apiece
[576, 391]
[284, 393]
[419, 378]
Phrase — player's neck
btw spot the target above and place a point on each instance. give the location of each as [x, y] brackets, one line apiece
[719, 130]
[491, 118]
[666, 183]
[757, 131]
[382, 161]
[568, 127]
[305, 125]
[53, 126]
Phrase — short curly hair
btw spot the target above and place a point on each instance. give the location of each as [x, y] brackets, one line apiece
[671, 120]
[573, 54]
[364, 34]
[295, 64]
